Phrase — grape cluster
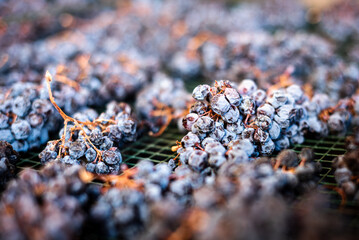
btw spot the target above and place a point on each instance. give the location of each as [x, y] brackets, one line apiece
[249, 195]
[26, 117]
[8, 160]
[163, 100]
[25, 21]
[49, 204]
[342, 116]
[153, 201]
[95, 76]
[94, 141]
[95, 71]
[189, 38]
[267, 217]
[235, 123]
[152, 191]
[260, 56]
[120, 213]
[346, 28]
[347, 169]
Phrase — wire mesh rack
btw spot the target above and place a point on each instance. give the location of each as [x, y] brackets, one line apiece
[158, 150]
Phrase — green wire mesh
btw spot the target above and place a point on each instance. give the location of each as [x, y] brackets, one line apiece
[155, 149]
[158, 150]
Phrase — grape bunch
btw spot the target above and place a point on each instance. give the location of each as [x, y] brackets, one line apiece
[347, 169]
[149, 191]
[8, 160]
[342, 116]
[94, 141]
[346, 174]
[49, 204]
[119, 213]
[266, 217]
[341, 29]
[235, 123]
[26, 117]
[99, 78]
[145, 200]
[164, 100]
[235, 185]
[265, 58]
[47, 18]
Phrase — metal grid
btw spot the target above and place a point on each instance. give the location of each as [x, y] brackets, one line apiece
[158, 150]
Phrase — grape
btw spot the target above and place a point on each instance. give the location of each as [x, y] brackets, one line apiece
[77, 149]
[204, 124]
[4, 121]
[6, 135]
[189, 120]
[266, 109]
[228, 137]
[238, 156]
[247, 106]
[260, 136]
[8, 160]
[307, 154]
[112, 158]
[264, 122]
[198, 160]
[216, 160]
[21, 106]
[248, 133]
[296, 92]
[219, 104]
[267, 148]
[232, 115]
[219, 131]
[207, 141]
[237, 127]
[199, 107]
[106, 144]
[215, 148]
[247, 87]
[69, 160]
[259, 96]
[91, 154]
[21, 129]
[190, 140]
[288, 158]
[35, 120]
[228, 125]
[102, 168]
[96, 137]
[20, 145]
[336, 123]
[232, 96]
[201, 92]
[282, 143]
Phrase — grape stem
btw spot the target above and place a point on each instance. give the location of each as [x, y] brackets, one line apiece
[67, 119]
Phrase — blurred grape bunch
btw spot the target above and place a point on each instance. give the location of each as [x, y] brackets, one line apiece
[26, 20]
[8, 160]
[163, 101]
